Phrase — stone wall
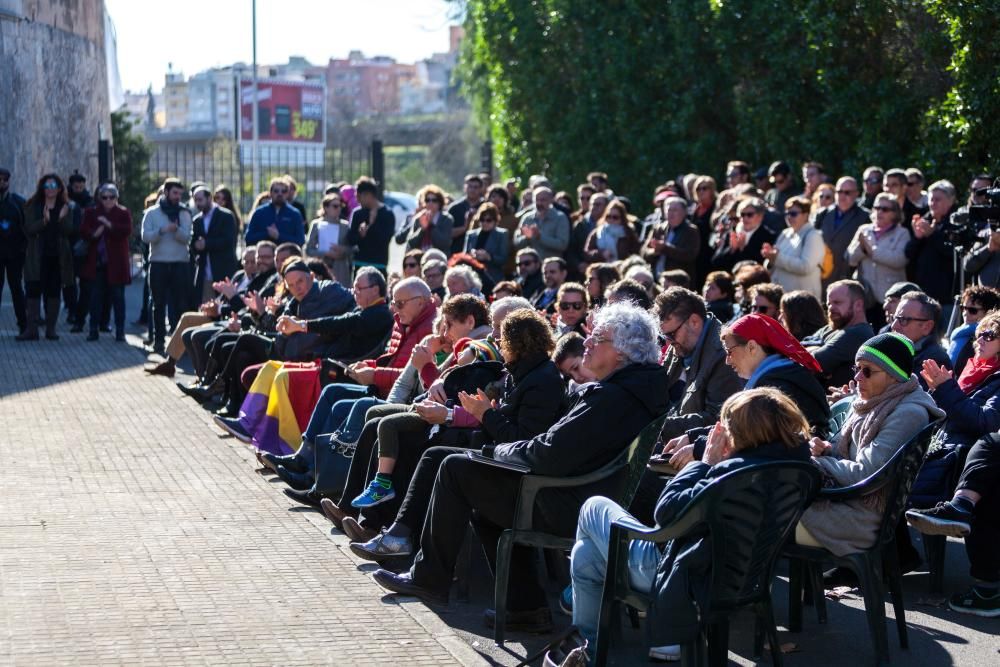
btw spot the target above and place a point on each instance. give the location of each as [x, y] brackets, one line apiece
[53, 76]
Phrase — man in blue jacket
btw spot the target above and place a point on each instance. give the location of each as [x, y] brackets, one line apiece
[276, 221]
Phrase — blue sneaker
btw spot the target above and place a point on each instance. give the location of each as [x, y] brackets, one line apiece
[566, 601]
[375, 494]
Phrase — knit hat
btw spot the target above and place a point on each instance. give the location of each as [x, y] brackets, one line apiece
[891, 352]
[484, 350]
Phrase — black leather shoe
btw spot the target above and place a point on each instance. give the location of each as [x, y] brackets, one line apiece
[202, 394]
[534, 620]
[297, 480]
[234, 428]
[291, 463]
[402, 584]
[839, 577]
[106, 328]
[227, 410]
[307, 497]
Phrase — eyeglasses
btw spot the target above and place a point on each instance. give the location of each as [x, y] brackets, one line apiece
[866, 371]
[972, 310]
[566, 305]
[487, 218]
[902, 319]
[672, 335]
[792, 214]
[729, 350]
[748, 214]
[529, 262]
[885, 209]
[913, 183]
[826, 195]
[431, 200]
[401, 304]
[988, 336]
[612, 217]
[410, 265]
[873, 181]
[279, 191]
[358, 288]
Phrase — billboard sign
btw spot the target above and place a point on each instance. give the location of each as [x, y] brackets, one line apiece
[289, 112]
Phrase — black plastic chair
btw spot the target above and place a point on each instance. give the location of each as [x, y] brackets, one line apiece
[749, 514]
[894, 479]
[633, 459]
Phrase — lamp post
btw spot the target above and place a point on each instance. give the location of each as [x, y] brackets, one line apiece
[255, 146]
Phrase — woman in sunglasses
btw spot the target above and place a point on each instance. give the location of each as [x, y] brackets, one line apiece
[487, 242]
[106, 228]
[890, 408]
[431, 226]
[328, 239]
[878, 252]
[48, 263]
[796, 257]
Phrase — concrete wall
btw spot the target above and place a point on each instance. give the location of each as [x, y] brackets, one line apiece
[54, 77]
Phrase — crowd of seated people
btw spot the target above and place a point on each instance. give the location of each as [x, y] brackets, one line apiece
[542, 340]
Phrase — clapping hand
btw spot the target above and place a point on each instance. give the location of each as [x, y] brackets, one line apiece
[934, 374]
[820, 447]
[225, 287]
[768, 251]
[234, 323]
[476, 405]
[253, 301]
[272, 231]
[271, 304]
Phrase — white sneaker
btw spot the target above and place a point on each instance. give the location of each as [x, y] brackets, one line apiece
[666, 653]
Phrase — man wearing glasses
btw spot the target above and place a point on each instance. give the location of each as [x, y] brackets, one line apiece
[916, 318]
[916, 201]
[276, 221]
[746, 239]
[838, 224]
[529, 270]
[872, 178]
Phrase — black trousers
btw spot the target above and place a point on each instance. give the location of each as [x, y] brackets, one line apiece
[982, 475]
[465, 490]
[169, 283]
[13, 267]
[49, 283]
[100, 292]
[197, 343]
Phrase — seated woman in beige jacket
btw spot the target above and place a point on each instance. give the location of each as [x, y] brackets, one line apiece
[795, 260]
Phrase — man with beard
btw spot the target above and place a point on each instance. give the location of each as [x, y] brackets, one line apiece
[529, 270]
[554, 274]
[835, 345]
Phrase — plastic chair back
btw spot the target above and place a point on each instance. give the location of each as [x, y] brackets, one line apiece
[838, 414]
[637, 457]
[899, 474]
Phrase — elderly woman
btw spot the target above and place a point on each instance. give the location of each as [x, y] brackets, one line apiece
[462, 279]
[796, 258]
[431, 226]
[890, 408]
[929, 253]
[328, 239]
[106, 228]
[878, 252]
[487, 242]
[622, 352]
[532, 398]
[613, 238]
[755, 426]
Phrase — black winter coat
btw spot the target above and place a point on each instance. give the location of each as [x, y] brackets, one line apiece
[534, 397]
[352, 335]
[682, 579]
[602, 421]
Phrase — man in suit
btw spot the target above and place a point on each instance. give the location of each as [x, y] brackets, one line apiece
[746, 239]
[838, 224]
[213, 245]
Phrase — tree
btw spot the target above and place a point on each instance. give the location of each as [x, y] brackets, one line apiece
[132, 153]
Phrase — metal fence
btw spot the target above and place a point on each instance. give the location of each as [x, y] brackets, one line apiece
[224, 162]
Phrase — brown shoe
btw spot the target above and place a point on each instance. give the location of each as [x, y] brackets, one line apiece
[333, 513]
[354, 531]
[165, 368]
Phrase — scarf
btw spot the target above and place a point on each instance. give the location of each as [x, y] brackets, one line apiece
[172, 211]
[959, 337]
[770, 363]
[866, 420]
[975, 372]
[607, 238]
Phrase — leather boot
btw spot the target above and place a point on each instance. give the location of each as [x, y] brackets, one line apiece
[32, 308]
[51, 317]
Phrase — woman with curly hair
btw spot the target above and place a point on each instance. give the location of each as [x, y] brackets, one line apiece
[430, 226]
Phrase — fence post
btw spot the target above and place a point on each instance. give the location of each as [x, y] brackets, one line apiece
[378, 166]
[486, 161]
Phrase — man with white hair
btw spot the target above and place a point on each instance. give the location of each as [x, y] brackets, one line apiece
[545, 229]
[622, 352]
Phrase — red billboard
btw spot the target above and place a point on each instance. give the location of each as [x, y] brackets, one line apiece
[287, 111]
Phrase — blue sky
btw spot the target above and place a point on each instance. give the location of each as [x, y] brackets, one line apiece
[198, 34]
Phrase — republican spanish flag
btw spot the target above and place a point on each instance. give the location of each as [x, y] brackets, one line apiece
[279, 405]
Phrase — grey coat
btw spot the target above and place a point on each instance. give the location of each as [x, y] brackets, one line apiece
[497, 245]
[984, 264]
[709, 382]
[850, 526]
[440, 233]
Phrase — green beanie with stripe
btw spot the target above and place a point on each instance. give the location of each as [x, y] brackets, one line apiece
[892, 352]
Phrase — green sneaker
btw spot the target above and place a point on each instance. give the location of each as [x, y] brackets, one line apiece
[375, 494]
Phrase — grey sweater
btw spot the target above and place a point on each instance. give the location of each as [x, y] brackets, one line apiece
[166, 246]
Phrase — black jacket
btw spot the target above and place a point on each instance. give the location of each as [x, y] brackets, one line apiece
[932, 264]
[12, 239]
[349, 336]
[532, 285]
[533, 399]
[220, 246]
[726, 257]
[805, 390]
[682, 579]
[373, 248]
[587, 438]
[327, 297]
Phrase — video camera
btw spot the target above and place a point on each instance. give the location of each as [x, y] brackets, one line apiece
[964, 225]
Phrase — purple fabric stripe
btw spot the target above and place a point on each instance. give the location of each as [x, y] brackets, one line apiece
[266, 437]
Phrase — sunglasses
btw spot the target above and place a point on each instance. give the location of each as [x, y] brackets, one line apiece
[885, 208]
[280, 191]
[866, 371]
[488, 218]
[575, 305]
[873, 181]
[51, 186]
[760, 309]
[107, 197]
[431, 200]
[988, 336]
[913, 183]
[530, 262]
[748, 214]
[792, 214]
[410, 265]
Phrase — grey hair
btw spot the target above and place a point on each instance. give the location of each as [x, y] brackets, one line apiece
[108, 187]
[631, 330]
[944, 186]
[673, 201]
[472, 281]
[419, 287]
[507, 305]
[374, 277]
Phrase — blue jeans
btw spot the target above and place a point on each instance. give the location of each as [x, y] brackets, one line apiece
[324, 419]
[589, 563]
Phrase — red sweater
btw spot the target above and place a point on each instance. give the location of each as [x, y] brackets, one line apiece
[397, 354]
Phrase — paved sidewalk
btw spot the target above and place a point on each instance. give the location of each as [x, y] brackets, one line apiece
[131, 533]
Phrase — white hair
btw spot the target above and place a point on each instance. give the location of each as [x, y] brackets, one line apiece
[418, 286]
[631, 330]
[472, 282]
[508, 304]
[944, 186]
